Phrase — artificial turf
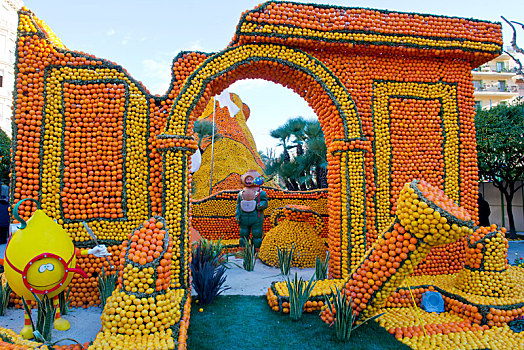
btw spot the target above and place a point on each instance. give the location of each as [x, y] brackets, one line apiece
[247, 322]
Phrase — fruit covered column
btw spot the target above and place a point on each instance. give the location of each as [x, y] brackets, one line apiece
[176, 151]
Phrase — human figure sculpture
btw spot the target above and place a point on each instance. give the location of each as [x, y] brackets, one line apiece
[251, 203]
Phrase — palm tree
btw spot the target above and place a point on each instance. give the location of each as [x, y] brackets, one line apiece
[308, 169]
[282, 134]
[288, 172]
[296, 127]
[317, 150]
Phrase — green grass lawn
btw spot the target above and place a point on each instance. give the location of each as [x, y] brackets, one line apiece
[247, 322]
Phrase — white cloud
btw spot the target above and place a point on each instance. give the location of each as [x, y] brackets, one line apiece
[196, 46]
[111, 32]
[157, 73]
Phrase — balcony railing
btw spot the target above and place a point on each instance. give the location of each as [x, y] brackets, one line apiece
[491, 88]
[488, 69]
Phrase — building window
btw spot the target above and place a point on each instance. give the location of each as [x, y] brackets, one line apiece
[500, 66]
[477, 84]
[502, 85]
[478, 105]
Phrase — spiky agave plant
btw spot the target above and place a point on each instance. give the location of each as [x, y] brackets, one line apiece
[46, 312]
[213, 248]
[64, 299]
[106, 285]
[208, 275]
[249, 255]
[343, 315]
[5, 292]
[299, 292]
[321, 268]
[284, 259]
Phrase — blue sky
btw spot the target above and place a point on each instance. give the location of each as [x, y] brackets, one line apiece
[145, 36]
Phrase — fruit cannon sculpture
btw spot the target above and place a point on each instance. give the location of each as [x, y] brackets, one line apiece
[425, 218]
[40, 259]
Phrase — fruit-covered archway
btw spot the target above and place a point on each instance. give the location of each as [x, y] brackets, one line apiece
[312, 80]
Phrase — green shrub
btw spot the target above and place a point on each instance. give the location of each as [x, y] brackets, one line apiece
[284, 259]
[299, 293]
[208, 273]
[321, 268]
[343, 315]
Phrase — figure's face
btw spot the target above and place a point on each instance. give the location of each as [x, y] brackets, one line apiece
[248, 180]
[45, 274]
[251, 178]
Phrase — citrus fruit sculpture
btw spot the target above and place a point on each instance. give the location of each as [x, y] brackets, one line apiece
[486, 270]
[92, 143]
[425, 218]
[299, 227]
[143, 305]
[40, 260]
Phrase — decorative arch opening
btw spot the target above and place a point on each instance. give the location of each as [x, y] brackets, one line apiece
[337, 114]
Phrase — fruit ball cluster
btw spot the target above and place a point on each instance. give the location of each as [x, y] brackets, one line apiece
[300, 227]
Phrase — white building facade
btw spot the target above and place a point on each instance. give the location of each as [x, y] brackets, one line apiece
[8, 28]
[496, 82]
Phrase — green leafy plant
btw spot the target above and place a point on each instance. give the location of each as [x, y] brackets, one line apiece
[519, 261]
[5, 292]
[299, 292]
[321, 268]
[46, 316]
[106, 285]
[307, 168]
[284, 259]
[249, 255]
[343, 315]
[500, 152]
[208, 273]
[63, 301]
[5, 157]
[46, 313]
[213, 249]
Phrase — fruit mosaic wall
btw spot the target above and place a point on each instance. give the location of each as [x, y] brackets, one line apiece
[92, 144]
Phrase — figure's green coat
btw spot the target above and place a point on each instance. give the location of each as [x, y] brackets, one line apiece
[252, 222]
